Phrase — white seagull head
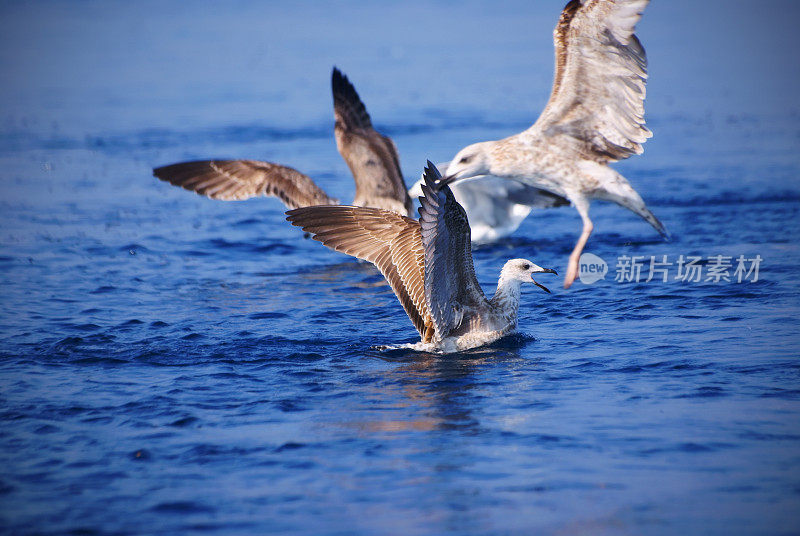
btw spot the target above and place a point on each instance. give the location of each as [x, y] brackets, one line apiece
[470, 161]
[523, 270]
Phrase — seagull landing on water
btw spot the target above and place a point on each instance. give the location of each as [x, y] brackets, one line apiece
[371, 157]
[428, 264]
[595, 116]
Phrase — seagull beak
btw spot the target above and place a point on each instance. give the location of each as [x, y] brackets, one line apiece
[448, 179]
[544, 288]
[543, 271]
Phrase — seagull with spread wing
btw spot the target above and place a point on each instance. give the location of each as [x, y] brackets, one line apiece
[374, 163]
[371, 157]
[428, 264]
[595, 116]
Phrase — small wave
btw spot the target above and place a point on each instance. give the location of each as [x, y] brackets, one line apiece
[196, 253]
[193, 336]
[283, 249]
[291, 445]
[204, 451]
[84, 327]
[99, 361]
[73, 346]
[266, 315]
[182, 507]
[130, 323]
[687, 447]
[777, 392]
[133, 249]
[103, 289]
[303, 357]
[247, 222]
[288, 405]
[705, 392]
[247, 247]
[587, 366]
[184, 422]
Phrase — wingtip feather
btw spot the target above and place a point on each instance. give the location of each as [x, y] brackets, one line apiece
[432, 176]
[347, 103]
[338, 79]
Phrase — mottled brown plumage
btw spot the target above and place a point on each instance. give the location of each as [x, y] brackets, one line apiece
[386, 239]
[232, 180]
[599, 83]
[371, 157]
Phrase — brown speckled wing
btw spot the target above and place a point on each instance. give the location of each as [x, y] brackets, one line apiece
[371, 157]
[386, 239]
[599, 85]
[231, 180]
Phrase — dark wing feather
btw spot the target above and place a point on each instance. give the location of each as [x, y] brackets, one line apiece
[599, 85]
[535, 197]
[451, 287]
[386, 239]
[231, 180]
[371, 157]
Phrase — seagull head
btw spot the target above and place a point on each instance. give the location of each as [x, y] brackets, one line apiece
[470, 161]
[523, 270]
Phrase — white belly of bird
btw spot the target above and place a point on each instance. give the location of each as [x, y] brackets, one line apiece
[474, 339]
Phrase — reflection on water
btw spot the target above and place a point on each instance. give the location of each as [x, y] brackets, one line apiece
[437, 393]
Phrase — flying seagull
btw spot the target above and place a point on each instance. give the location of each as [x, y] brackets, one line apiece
[371, 157]
[595, 116]
[428, 264]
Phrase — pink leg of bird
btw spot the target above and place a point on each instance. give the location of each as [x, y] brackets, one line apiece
[575, 256]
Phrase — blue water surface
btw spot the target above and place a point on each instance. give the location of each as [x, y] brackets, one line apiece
[175, 365]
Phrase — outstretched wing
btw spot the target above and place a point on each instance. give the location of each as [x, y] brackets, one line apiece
[233, 180]
[451, 288]
[389, 241]
[372, 158]
[599, 87]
